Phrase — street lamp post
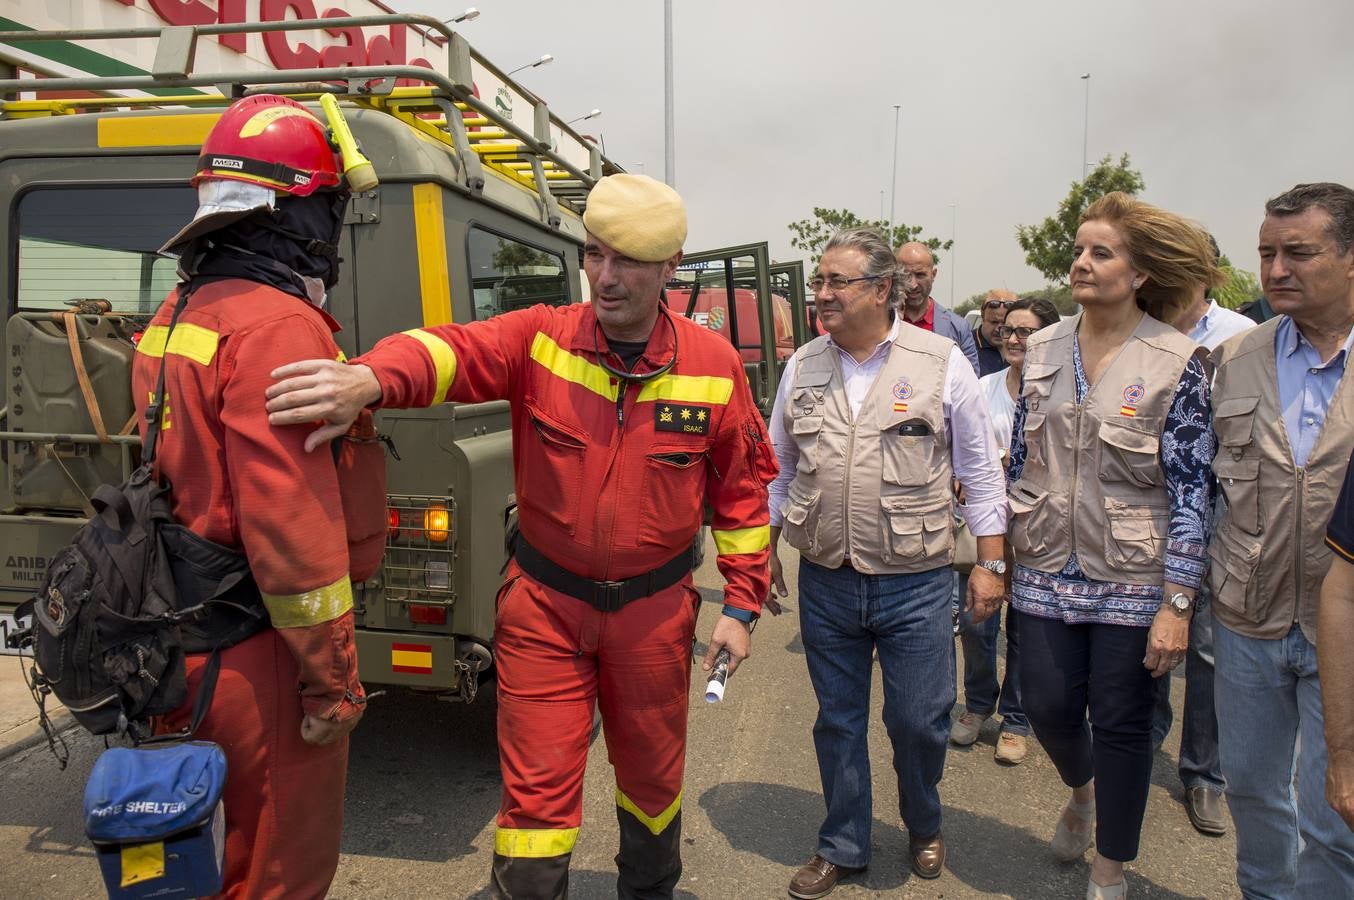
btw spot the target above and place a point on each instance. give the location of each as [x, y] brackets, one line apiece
[954, 254]
[893, 188]
[1085, 125]
[669, 121]
[469, 15]
[545, 59]
[592, 115]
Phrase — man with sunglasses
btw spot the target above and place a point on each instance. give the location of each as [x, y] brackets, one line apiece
[986, 336]
[627, 420]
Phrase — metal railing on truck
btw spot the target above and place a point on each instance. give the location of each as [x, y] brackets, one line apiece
[529, 158]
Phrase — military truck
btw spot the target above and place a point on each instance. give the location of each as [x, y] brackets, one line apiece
[474, 216]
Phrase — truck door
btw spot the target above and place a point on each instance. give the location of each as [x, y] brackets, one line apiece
[729, 291]
[787, 286]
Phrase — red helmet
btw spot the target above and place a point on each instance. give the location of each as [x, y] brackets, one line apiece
[270, 141]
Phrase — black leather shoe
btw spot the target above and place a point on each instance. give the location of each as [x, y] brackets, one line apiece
[928, 855]
[817, 877]
[1204, 805]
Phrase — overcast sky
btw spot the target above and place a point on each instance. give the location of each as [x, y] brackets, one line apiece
[783, 106]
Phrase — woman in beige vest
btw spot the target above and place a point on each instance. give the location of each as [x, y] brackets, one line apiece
[1109, 489]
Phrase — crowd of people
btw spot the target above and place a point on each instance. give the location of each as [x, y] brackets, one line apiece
[1085, 463]
[1167, 469]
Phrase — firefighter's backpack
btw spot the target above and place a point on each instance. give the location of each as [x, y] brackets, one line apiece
[128, 596]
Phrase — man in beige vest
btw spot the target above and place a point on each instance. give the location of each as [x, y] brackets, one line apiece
[1284, 416]
[871, 425]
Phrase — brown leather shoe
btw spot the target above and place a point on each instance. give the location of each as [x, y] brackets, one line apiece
[1204, 805]
[817, 878]
[928, 855]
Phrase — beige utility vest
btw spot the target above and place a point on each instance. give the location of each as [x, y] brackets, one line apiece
[1269, 554]
[1092, 480]
[875, 486]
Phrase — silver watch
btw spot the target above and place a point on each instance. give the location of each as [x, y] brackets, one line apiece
[1180, 603]
[995, 566]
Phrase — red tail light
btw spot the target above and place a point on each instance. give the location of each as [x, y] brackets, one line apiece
[421, 614]
[393, 517]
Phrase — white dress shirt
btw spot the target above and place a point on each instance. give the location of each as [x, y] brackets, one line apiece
[1001, 406]
[1217, 325]
[968, 429]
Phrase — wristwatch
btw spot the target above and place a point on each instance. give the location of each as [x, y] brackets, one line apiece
[1180, 603]
[995, 566]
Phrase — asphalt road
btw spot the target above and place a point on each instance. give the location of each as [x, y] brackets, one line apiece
[423, 790]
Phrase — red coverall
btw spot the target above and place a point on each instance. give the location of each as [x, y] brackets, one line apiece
[611, 482]
[240, 482]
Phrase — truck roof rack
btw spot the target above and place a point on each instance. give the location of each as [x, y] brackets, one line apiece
[446, 108]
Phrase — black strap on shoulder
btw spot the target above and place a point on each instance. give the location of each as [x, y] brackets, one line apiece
[155, 411]
[201, 704]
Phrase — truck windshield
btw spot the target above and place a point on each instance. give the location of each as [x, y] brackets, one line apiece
[507, 274]
[91, 241]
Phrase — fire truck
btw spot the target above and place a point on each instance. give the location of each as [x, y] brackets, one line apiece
[477, 213]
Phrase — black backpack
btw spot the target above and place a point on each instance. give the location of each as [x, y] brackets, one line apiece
[129, 596]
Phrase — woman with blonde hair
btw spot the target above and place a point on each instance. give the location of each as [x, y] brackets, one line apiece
[1109, 493]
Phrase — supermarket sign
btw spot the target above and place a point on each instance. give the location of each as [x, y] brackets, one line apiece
[338, 45]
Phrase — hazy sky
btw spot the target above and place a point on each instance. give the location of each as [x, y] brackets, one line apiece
[783, 106]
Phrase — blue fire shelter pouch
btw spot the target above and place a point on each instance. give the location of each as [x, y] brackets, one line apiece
[155, 815]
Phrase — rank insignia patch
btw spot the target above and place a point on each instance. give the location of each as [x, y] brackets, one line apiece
[684, 418]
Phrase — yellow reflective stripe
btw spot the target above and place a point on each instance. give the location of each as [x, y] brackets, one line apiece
[444, 360]
[434, 284]
[156, 131]
[710, 389]
[191, 341]
[311, 607]
[742, 540]
[576, 369]
[655, 824]
[534, 843]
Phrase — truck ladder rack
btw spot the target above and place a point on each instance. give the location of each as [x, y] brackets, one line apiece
[447, 109]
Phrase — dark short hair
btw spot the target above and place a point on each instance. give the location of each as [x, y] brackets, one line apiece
[1335, 199]
[1044, 309]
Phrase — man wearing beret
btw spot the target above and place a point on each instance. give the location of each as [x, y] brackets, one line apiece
[627, 420]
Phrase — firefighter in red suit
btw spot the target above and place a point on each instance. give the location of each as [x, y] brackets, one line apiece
[256, 260]
[626, 420]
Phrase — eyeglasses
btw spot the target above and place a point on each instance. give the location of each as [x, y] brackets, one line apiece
[1023, 333]
[999, 304]
[837, 282]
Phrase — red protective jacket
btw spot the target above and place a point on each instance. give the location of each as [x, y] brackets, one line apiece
[611, 479]
[251, 486]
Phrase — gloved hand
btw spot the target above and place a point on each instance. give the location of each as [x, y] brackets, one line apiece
[332, 698]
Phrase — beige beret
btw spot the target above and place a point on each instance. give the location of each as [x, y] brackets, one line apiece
[637, 216]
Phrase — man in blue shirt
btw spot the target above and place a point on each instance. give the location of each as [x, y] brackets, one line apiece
[1283, 413]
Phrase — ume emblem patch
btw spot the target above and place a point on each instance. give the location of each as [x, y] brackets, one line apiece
[683, 418]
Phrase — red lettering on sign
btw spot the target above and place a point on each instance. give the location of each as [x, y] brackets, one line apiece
[229, 12]
[184, 12]
[275, 43]
[349, 53]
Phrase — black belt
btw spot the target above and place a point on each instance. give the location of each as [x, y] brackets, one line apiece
[607, 596]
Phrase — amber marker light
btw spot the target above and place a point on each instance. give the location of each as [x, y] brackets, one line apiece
[436, 523]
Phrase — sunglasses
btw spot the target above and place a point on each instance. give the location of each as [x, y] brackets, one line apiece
[999, 304]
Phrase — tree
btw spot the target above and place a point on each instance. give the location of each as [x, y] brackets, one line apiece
[812, 234]
[1048, 245]
[1241, 286]
[1060, 297]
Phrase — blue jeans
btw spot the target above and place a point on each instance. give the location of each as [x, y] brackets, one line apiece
[844, 618]
[1289, 842]
[1199, 766]
[981, 691]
